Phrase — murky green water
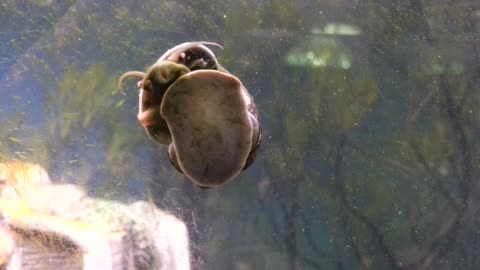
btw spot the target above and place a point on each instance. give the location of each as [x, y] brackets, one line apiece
[369, 113]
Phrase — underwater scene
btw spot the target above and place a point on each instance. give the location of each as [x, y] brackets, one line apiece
[243, 135]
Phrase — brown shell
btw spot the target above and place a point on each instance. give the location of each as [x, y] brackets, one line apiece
[197, 49]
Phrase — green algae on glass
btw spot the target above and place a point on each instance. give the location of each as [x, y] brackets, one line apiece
[320, 52]
[81, 97]
[338, 29]
[323, 48]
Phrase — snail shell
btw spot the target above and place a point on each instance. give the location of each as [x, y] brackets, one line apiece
[205, 115]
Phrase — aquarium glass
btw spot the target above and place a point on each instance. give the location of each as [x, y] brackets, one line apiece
[368, 110]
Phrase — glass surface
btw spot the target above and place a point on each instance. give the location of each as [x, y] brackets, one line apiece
[369, 114]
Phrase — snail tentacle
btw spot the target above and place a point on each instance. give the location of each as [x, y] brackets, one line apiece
[129, 74]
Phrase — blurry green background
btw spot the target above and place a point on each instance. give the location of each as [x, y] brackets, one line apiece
[369, 111]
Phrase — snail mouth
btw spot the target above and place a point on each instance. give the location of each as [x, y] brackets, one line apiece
[149, 118]
[149, 108]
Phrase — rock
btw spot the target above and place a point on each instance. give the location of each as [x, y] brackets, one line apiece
[56, 226]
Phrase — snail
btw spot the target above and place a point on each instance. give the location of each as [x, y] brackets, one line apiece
[203, 113]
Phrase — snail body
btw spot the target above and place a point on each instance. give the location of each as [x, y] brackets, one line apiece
[203, 113]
